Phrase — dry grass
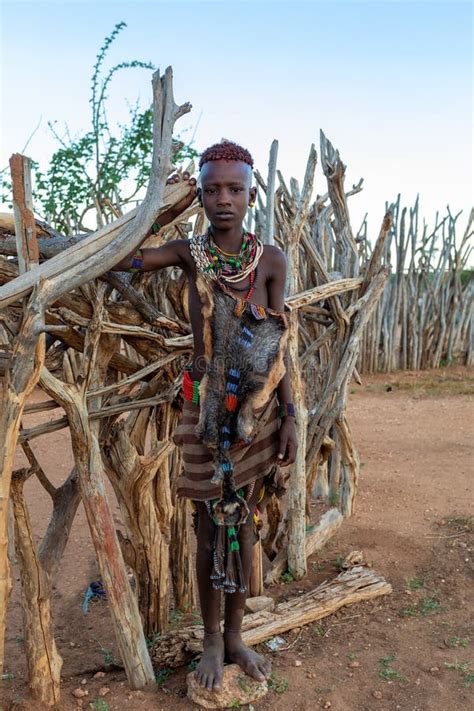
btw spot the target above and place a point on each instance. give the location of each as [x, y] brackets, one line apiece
[426, 383]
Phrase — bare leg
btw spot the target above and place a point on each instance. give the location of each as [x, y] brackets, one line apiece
[209, 670]
[236, 651]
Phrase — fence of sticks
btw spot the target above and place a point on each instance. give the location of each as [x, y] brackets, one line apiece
[424, 318]
[108, 350]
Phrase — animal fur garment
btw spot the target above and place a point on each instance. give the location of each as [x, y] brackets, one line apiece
[244, 348]
[231, 437]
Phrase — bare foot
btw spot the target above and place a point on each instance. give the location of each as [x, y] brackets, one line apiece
[209, 670]
[249, 661]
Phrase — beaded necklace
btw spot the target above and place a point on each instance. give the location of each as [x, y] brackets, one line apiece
[216, 264]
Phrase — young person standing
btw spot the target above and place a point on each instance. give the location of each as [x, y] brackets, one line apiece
[238, 424]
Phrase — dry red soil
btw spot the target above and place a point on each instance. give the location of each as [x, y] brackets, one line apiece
[412, 650]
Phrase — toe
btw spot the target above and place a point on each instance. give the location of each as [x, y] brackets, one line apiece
[210, 682]
[218, 680]
[256, 672]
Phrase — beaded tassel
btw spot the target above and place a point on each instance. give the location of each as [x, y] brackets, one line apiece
[227, 572]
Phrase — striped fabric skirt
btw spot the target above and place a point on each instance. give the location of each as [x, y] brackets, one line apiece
[252, 461]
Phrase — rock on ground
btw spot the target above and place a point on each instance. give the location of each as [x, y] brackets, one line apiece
[260, 603]
[237, 689]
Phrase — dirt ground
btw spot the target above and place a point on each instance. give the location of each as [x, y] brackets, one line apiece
[412, 650]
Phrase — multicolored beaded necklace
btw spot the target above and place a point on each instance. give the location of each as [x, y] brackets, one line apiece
[227, 268]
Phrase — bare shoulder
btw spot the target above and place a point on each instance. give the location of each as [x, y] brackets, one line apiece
[275, 261]
[182, 249]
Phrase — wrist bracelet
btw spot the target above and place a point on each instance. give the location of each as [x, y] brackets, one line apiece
[286, 409]
[137, 261]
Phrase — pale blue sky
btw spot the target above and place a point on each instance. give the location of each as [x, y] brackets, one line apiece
[390, 83]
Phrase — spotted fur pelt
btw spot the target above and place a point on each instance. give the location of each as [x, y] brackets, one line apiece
[254, 346]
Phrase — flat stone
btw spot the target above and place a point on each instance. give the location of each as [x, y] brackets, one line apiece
[78, 693]
[352, 559]
[260, 603]
[237, 689]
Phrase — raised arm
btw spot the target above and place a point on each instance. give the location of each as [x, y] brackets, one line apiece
[171, 254]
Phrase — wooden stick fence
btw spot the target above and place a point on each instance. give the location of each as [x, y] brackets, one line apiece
[424, 318]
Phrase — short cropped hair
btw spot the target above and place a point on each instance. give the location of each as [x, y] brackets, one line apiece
[226, 150]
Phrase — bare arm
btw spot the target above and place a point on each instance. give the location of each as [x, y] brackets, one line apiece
[171, 254]
[276, 301]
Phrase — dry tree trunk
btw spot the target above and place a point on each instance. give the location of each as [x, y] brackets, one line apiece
[43, 660]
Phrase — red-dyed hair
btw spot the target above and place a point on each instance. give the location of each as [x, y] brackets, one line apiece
[227, 150]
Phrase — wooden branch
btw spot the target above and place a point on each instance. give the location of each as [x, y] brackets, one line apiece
[139, 375]
[180, 342]
[323, 291]
[43, 660]
[256, 572]
[316, 538]
[122, 603]
[7, 226]
[25, 226]
[334, 170]
[66, 500]
[133, 478]
[352, 586]
[270, 205]
[21, 378]
[38, 469]
[100, 251]
[297, 489]
[29, 433]
[40, 407]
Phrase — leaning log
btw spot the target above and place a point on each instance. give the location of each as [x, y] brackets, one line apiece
[355, 585]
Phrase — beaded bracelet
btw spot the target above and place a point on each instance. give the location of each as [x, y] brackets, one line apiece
[286, 409]
[137, 261]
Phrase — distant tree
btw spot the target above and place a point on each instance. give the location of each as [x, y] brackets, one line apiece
[91, 178]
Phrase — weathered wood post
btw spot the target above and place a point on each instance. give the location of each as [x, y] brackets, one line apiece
[43, 661]
[297, 490]
[22, 376]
